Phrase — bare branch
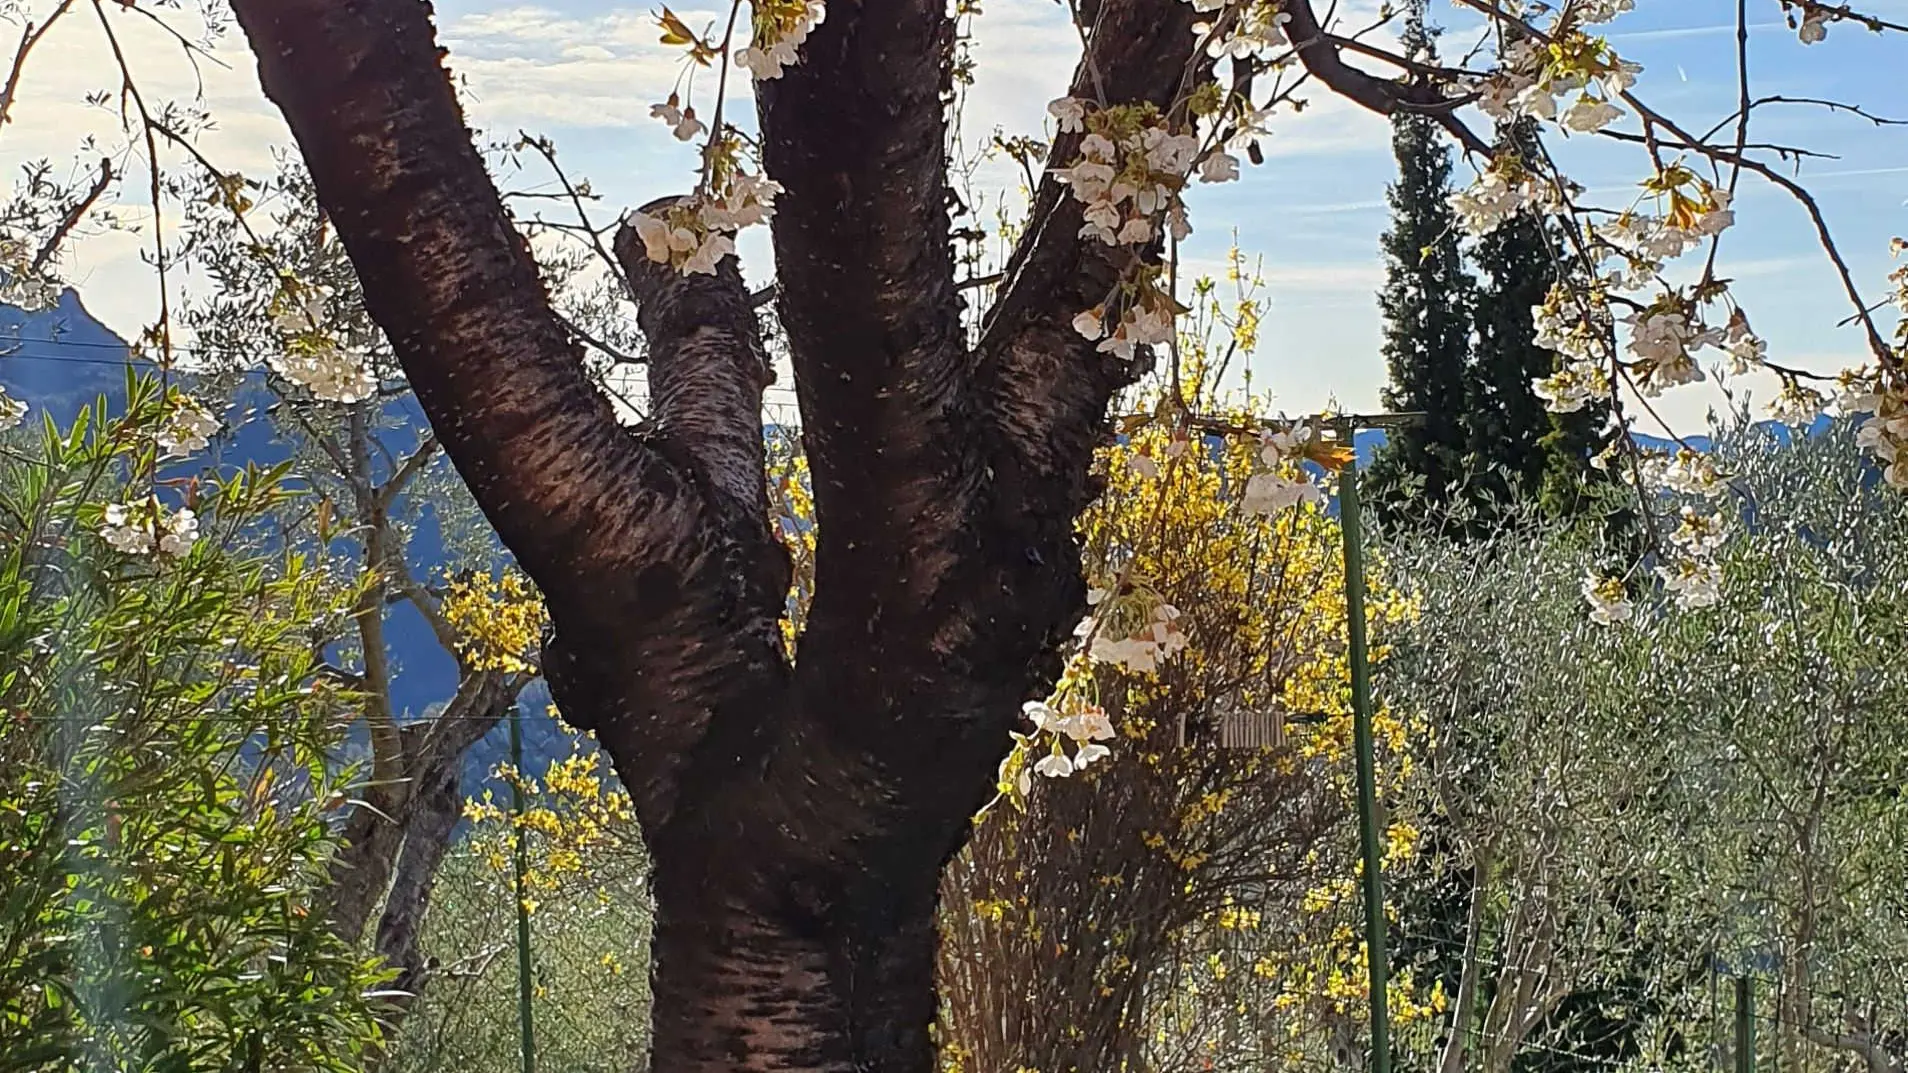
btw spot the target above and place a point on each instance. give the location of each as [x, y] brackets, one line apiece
[866, 290]
[30, 37]
[586, 338]
[74, 215]
[408, 469]
[1746, 106]
[652, 585]
[547, 150]
[372, 108]
[1320, 53]
[414, 592]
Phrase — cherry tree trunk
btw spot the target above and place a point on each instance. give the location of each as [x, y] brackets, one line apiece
[798, 808]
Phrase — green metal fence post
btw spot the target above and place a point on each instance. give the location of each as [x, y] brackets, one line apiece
[1375, 928]
[1745, 1025]
[528, 1045]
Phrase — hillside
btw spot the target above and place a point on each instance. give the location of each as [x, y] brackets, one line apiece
[61, 360]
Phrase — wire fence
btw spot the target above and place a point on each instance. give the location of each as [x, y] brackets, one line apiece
[586, 945]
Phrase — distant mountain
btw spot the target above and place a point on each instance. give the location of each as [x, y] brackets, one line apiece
[62, 360]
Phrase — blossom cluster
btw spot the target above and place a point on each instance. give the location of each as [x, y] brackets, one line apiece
[188, 428]
[1691, 575]
[1689, 572]
[24, 282]
[1566, 76]
[1084, 726]
[1698, 212]
[1883, 408]
[144, 527]
[1129, 173]
[1501, 192]
[1256, 29]
[498, 619]
[12, 411]
[1609, 600]
[1282, 485]
[1575, 81]
[694, 234]
[1133, 631]
[1686, 472]
[310, 356]
[780, 29]
[568, 822]
[1666, 332]
[1880, 396]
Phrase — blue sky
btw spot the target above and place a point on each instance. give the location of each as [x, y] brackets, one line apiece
[1314, 212]
[585, 72]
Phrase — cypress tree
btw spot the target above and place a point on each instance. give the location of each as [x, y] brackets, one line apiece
[1523, 450]
[1426, 303]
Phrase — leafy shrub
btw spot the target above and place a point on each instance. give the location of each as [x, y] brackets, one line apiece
[164, 728]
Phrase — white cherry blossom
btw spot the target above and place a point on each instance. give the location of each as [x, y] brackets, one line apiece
[12, 411]
[189, 428]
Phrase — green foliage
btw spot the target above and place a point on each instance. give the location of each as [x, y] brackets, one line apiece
[163, 778]
[1426, 303]
[590, 929]
[1685, 789]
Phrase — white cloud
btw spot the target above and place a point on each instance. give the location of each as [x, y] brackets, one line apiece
[530, 66]
[52, 120]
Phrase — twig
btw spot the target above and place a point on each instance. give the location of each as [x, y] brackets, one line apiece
[1320, 55]
[406, 470]
[30, 37]
[129, 90]
[73, 215]
[1817, 102]
[615, 354]
[547, 151]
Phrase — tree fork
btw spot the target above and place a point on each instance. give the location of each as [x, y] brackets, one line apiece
[798, 815]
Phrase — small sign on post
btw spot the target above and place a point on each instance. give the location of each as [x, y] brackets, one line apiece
[1252, 730]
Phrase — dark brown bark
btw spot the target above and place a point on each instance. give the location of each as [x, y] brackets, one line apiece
[1048, 385]
[798, 816]
[1323, 59]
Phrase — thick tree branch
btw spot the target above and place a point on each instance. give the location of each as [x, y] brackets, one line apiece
[865, 285]
[703, 689]
[378, 830]
[1320, 53]
[453, 285]
[653, 587]
[707, 368]
[1048, 385]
